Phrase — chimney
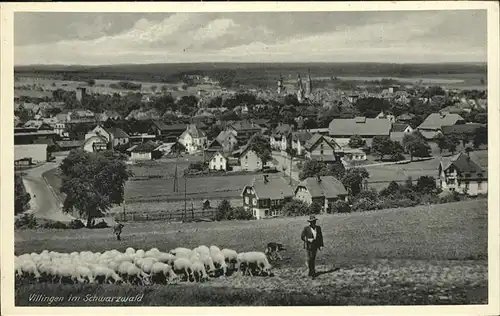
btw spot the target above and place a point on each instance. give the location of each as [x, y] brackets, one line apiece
[266, 179]
[319, 178]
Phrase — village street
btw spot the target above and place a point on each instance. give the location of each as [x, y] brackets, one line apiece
[283, 161]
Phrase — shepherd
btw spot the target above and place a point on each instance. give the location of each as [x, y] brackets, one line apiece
[117, 229]
[313, 241]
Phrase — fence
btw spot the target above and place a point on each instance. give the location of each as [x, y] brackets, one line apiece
[169, 216]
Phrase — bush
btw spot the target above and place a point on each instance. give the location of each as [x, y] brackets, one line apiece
[370, 194]
[76, 224]
[101, 224]
[429, 199]
[26, 221]
[395, 203]
[55, 225]
[340, 207]
[242, 214]
[452, 197]
[364, 204]
[295, 208]
[315, 208]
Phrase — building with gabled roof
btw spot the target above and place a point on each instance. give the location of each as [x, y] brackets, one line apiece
[462, 174]
[265, 194]
[321, 148]
[432, 125]
[324, 190]
[194, 139]
[341, 129]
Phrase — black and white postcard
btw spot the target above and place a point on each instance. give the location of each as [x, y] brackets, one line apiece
[342, 155]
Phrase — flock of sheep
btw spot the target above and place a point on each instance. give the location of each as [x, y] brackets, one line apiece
[139, 266]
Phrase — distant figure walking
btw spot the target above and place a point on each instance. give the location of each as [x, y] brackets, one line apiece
[313, 240]
[117, 229]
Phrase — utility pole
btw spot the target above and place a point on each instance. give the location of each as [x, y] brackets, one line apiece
[291, 159]
[176, 184]
[185, 195]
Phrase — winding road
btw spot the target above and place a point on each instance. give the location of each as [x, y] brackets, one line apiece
[43, 202]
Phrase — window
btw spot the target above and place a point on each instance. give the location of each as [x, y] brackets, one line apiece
[254, 201]
[479, 185]
[321, 152]
[266, 213]
[247, 201]
[275, 202]
[467, 185]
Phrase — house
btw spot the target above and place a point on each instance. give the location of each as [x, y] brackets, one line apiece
[265, 194]
[244, 130]
[323, 190]
[433, 124]
[95, 143]
[354, 154]
[37, 125]
[67, 145]
[59, 127]
[461, 174]
[277, 139]
[217, 161]
[109, 115]
[399, 130]
[214, 146]
[467, 130]
[170, 149]
[318, 147]
[114, 135]
[194, 139]
[227, 139]
[383, 115]
[342, 129]
[141, 114]
[145, 151]
[166, 132]
[249, 160]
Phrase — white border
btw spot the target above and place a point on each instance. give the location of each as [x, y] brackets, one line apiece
[7, 192]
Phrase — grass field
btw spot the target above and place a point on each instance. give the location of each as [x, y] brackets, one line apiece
[422, 255]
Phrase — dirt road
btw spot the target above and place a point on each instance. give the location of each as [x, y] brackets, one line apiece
[43, 202]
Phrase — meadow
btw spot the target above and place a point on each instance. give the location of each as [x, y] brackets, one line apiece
[422, 255]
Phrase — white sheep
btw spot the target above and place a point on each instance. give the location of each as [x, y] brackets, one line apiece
[183, 265]
[106, 274]
[230, 256]
[181, 252]
[202, 250]
[130, 251]
[198, 270]
[82, 274]
[139, 253]
[147, 264]
[254, 259]
[166, 257]
[214, 250]
[219, 261]
[29, 267]
[163, 269]
[208, 262]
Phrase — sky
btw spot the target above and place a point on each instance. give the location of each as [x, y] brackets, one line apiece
[139, 38]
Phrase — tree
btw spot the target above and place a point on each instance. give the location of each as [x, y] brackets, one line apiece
[397, 151]
[312, 168]
[91, 82]
[481, 118]
[93, 182]
[356, 141]
[206, 205]
[441, 142]
[426, 184]
[224, 210]
[452, 143]
[382, 145]
[22, 198]
[337, 170]
[226, 78]
[262, 148]
[295, 208]
[353, 180]
[480, 137]
[416, 145]
[315, 208]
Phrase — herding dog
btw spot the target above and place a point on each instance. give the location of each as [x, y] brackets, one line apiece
[273, 251]
[117, 230]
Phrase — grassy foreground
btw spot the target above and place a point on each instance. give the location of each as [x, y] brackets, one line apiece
[422, 255]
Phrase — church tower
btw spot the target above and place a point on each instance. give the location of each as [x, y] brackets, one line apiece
[280, 85]
[309, 83]
[300, 89]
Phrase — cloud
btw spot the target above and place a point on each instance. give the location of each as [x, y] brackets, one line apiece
[427, 36]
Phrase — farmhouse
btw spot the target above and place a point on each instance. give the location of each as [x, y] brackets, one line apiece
[244, 130]
[343, 128]
[318, 147]
[29, 135]
[227, 139]
[115, 136]
[468, 130]
[95, 143]
[214, 146]
[194, 139]
[299, 140]
[67, 145]
[249, 160]
[165, 131]
[217, 161]
[399, 130]
[144, 151]
[265, 195]
[461, 174]
[433, 124]
[276, 138]
[323, 190]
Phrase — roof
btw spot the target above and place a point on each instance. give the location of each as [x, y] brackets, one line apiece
[101, 138]
[464, 165]
[360, 126]
[223, 135]
[398, 127]
[327, 186]
[245, 125]
[276, 188]
[214, 145]
[209, 155]
[397, 136]
[311, 142]
[469, 128]
[69, 143]
[166, 127]
[195, 131]
[282, 129]
[48, 141]
[33, 124]
[146, 147]
[405, 117]
[303, 137]
[437, 120]
[117, 132]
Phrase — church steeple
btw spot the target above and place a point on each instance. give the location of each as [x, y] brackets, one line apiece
[309, 82]
[300, 89]
[280, 84]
